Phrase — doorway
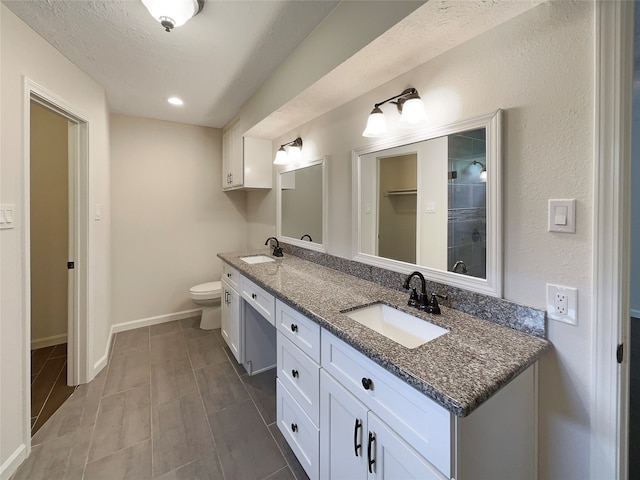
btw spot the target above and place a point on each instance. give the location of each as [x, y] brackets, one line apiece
[50, 224]
[56, 253]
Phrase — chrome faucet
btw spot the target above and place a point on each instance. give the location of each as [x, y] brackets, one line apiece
[417, 300]
[277, 250]
[459, 263]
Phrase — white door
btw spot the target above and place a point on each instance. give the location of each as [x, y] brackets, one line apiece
[343, 441]
[230, 320]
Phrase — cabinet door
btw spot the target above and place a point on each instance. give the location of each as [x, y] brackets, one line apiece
[390, 457]
[232, 165]
[230, 321]
[343, 427]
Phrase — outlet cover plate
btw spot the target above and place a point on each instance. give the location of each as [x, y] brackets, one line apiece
[559, 298]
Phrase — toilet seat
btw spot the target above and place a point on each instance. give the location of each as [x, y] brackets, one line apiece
[206, 291]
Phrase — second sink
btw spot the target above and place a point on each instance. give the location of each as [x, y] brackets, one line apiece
[257, 259]
[396, 325]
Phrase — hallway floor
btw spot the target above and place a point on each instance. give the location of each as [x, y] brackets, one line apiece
[169, 405]
[49, 389]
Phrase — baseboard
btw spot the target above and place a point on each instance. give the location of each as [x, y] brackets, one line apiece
[48, 341]
[635, 313]
[143, 322]
[12, 463]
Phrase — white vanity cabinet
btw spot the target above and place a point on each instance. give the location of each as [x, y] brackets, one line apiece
[246, 161]
[230, 318]
[346, 417]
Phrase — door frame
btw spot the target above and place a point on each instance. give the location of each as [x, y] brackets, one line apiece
[79, 329]
[611, 237]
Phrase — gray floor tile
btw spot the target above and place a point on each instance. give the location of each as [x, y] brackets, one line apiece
[127, 370]
[171, 380]
[206, 468]
[262, 390]
[164, 328]
[219, 387]
[191, 328]
[137, 339]
[123, 421]
[204, 351]
[168, 346]
[283, 474]
[180, 434]
[294, 464]
[132, 463]
[236, 366]
[245, 447]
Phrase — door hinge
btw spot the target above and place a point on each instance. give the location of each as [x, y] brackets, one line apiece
[71, 265]
[620, 353]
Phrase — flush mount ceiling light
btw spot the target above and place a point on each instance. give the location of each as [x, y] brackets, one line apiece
[409, 105]
[293, 155]
[483, 172]
[173, 13]
[175, 101]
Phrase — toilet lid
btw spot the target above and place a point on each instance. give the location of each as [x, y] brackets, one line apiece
[208, 287]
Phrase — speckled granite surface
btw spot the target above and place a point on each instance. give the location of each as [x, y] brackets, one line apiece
[509, 314]
[459, 370]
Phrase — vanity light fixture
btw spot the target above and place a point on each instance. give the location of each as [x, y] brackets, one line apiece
[294, 154]
[483, 172]
[409, 105]
[173, 13]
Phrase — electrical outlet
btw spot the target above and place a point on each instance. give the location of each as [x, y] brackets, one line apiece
[562, 304]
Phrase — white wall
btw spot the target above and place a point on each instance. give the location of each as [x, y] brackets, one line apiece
[25, 53]
[170, 216]
[539, 68]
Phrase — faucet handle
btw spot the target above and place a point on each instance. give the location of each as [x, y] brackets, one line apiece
[413, 298]
[433, 306]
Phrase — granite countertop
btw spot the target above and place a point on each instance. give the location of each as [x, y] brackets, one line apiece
[459, 370]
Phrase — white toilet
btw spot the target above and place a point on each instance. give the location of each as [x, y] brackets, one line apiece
[208, 296]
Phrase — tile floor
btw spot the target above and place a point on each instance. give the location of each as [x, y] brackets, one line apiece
[169, 405]
[49, 387]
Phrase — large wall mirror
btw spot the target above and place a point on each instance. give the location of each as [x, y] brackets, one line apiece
[301, 205]
[431, 201]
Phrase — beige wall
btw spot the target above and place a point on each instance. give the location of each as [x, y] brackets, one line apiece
[49, 225]
[170, 216]
[539, 68]
[23, 53]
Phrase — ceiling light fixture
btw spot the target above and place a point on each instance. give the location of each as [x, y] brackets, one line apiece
[294, 154]
[173, 13]
[175, 101]
[409, 105]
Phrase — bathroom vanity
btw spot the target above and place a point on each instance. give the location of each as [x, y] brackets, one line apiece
[352, 403]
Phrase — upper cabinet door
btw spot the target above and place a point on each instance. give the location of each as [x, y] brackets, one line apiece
[246, 161]
[232, 166]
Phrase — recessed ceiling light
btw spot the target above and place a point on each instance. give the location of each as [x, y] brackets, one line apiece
[175, 101]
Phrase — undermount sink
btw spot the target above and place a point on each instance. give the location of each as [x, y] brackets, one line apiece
[396, 325]
[257, 259]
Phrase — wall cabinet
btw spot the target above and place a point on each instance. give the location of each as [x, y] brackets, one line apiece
[246, 161]
[345, 416]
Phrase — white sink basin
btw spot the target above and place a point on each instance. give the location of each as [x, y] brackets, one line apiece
[257, 259]
[397, 325]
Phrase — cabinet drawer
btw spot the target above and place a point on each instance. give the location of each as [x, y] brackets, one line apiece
[259, 299]
[299, 431]
[300, 375]
[304, 333]
[231, 276]
[424, 424]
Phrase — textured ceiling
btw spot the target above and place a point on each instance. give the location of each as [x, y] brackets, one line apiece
[215, 62]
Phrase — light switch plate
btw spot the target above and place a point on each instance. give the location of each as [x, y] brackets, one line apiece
[562, 303]
[7, 216]
[562, 216]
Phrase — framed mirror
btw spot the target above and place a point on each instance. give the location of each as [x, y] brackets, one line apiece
[431, 201]
[301, 205]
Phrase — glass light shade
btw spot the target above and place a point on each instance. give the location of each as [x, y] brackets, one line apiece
[178, 11]
[483, 175]
[281, 157]
[294, 154]
[376, 124]
[413, 111]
